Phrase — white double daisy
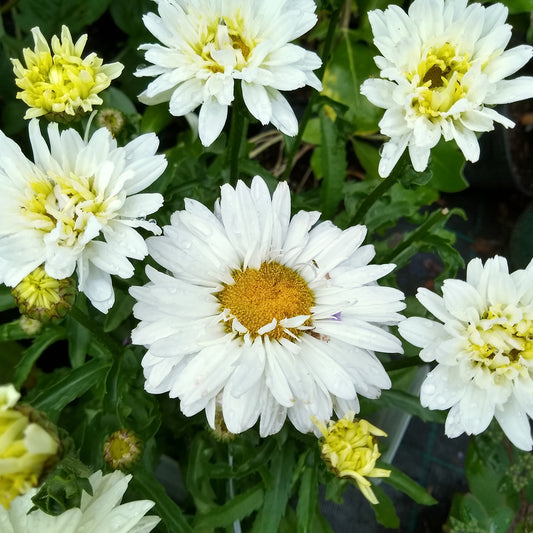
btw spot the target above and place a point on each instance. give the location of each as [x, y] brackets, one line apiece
[442, 64]
[75, 208]
[483, 344]
[208, 44]
[261, 315]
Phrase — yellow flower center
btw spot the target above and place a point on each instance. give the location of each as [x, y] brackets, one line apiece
[258, 296]
[225, 34]
[66, 203]
[440, 74]
[502, 341]
[122, 449]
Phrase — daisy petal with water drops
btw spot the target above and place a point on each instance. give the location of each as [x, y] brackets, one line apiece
[263, 316]
[207, 45]
[483, 346]
[74, 209]
[443, 65]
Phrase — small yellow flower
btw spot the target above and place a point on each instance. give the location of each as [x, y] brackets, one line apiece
[61, 86]
[350, 449]
[25, 448]
[42, 297]
[122, 449]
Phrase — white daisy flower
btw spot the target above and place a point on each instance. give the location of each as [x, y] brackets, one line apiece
[208, 44]
[261, 316]
[442, 62]
[100, 513]
[483, 344]
[76, 207]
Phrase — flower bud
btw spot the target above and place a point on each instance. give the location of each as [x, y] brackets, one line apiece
[44, 298]
[122, 449]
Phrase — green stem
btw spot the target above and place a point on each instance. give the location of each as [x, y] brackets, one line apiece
[108, 344]
[326, 53]
[416, 235]
[237, 135]
[375, 195]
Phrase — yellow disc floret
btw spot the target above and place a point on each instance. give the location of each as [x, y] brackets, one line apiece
[59, 83]
[439, 76]
[502, 342]
[350, 449]
[259, 296]
[25, 448]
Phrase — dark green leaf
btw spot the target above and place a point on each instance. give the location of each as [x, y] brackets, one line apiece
[12, 331]
[171, 514]
[332, 152]
[307, 495]
[6, 300]
[119, 312]
[447, 163]
[53, 399]
[384, 509]
[410, 404]
[235, 509]
[31, 354]
[408, 486]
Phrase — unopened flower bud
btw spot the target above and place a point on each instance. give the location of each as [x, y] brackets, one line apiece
[112, 119]
[44, 298]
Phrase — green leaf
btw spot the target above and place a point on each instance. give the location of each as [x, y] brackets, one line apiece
[308, 495]
[31, 354]
[521, 245]
[75, 14]
[235, 509]
[332, 153]
[6, 300]
[53, 399]
[155, 118]
[447, 163]
[197, 475]
[277, 490]
[351, 63]
[12, 331]
[384, 509]
[79, 340]
[410, 404]
[119, 312]
[408, 486]
[169, 512]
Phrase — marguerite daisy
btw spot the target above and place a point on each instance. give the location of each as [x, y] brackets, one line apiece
[208, 44]
[261, 315]
[76, 207]
[443, 64]
[483, 344]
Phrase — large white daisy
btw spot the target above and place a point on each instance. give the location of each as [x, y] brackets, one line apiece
[259, 315]
[483, 344]
[76, 207]
[442, 64]
[100, 513]
[208, 44]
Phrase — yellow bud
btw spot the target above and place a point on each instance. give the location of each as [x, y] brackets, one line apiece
[44, 298]
[26, 448]
[112, 119]
[350, 449]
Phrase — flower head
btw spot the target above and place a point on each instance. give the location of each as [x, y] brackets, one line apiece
[122, 449]
[42, 297]
[443, 63]
[100, 513]
[62, 85]
[262, 315]
[208, 44]
[350, 449]
[25, 449]
[483, 344]
[76, 207]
